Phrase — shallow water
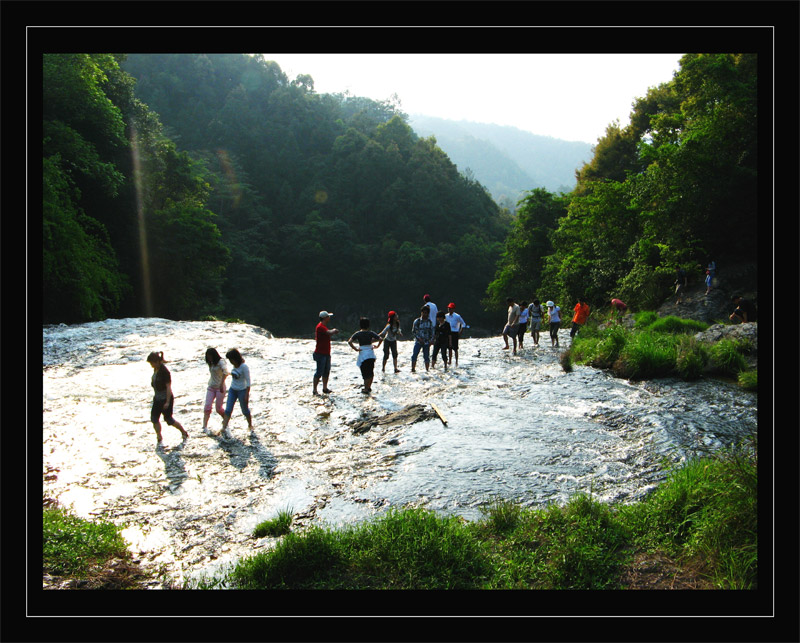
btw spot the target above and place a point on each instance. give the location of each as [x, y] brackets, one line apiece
[518, 427]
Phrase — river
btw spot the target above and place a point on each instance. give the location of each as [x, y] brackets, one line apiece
[518, 428]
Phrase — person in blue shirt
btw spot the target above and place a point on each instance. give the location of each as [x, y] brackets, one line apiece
[422, 332]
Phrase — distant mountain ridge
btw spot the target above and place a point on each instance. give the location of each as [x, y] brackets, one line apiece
[507, 160]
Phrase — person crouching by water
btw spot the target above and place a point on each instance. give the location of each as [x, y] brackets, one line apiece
[441, 339]
[422, 332]
[239, 390]
[390, 333]
[215, 393]
[163, 398]
[366, 352]
[322, 351]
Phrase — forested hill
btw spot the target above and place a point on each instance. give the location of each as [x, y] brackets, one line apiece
[190, 185]
[507, 160]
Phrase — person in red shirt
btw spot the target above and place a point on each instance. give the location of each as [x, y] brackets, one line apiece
[322, 351]
[620, 306]
[580, 317]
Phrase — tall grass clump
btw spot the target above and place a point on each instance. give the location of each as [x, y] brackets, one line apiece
[644, 318]
[72, 546]
[748, 380]
[677, 325]
[646, 355]
[691, 358]
[600, 349]
[706, 516]
[278, 526]
[727, 356]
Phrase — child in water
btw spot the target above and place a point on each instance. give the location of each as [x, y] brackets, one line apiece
[163, 398]
[215, 393]
[240, 389]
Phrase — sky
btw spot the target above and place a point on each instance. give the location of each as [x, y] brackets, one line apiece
[573, 97]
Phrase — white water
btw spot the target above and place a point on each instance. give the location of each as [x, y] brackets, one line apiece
[519, 428]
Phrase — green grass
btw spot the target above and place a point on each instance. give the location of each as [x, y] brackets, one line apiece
[278, 526]
[727, 356]
[704, 517]
[72, 546]
[748, 380]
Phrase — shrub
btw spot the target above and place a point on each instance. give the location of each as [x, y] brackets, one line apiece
[644, 318]
[672, 324]
[278, 526]
[691, 358]
[727, 357]
[646, 355]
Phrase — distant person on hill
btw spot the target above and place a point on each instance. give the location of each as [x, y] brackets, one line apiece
[441, 339]
[554, 316]
[432, 308]
[163, 398]
[681, 281]
[239, 390]
[422, 332]
[512, 324]
[366, 352]
[457, 326]
[322, 351]
[711, 272]
[745, 310]
[389, 334]
[535, 320]
[620, 306]
[215, 392]
[579, 318]
[523, 322]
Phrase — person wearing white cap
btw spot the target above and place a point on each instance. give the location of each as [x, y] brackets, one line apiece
[554, 314]
[322, 351]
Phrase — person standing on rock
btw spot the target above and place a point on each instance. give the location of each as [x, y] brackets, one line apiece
[554, 317]
[457, 325]
[432, 308]
[366, 352]
[422, 332]
[535, 320]
[215, 392]
[681, 281]
[322, 351]
[512, 324]
[389, 334]
[163, 398]
[711, 272]
[239, 390]
[580, 316]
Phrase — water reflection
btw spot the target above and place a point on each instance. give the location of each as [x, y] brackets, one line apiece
[517, 427]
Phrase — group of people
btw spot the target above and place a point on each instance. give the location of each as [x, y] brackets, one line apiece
[164, 399]
[521, 316]
[433, 327]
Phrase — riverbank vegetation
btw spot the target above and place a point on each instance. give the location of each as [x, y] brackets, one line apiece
[699, 527]
[702, 522]
[658, 347]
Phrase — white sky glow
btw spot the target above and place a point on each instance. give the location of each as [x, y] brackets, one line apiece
[573, 97]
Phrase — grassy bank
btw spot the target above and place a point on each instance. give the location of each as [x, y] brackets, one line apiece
[659, 347]
[85, 553]
[701, 523]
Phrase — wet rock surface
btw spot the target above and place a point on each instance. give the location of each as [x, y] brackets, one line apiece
[518, 427]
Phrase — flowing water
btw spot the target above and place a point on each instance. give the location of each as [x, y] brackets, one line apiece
[518, 428]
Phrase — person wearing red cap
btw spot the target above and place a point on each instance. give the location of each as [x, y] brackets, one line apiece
[389, 335]
[457, 325]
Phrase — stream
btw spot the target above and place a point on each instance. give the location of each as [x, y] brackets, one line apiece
[517, 427]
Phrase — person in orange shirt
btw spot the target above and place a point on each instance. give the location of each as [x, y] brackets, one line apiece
[580, 317]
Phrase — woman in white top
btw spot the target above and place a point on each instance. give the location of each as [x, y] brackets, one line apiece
[240, 389]
[554, 313]
[215, 393]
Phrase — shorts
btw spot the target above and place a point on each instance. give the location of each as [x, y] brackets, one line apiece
[554, 326]
[323, 365]
[510, 329]
[536, 325]
[454, 341]
[158, 410]
[367, 368]
[390, 346]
